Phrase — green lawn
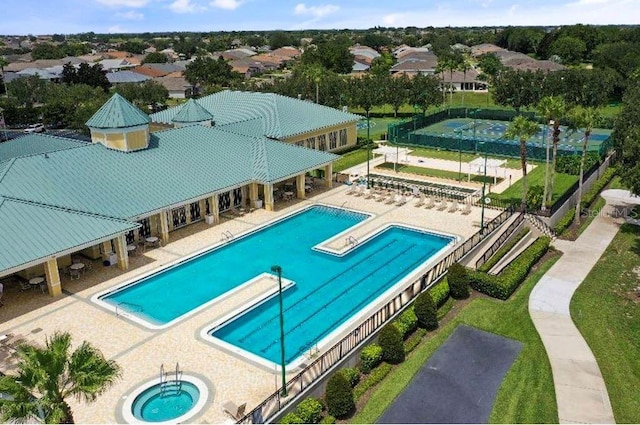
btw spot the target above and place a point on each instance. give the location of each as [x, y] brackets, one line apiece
[378, 127]
[606, 310]
[350, 159]
[432, 172]
[527, 394]
[536, 178]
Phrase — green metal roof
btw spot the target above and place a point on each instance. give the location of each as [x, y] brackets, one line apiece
[192, 112]
[118, 112]
[33, 233]
[179, 165]
[33, 144]
[281, 116]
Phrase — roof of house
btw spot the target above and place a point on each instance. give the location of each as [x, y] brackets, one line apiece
[109, 64]
[192, 112]
[286, 51]
[41, 73]
[117, 112]
[173, 83]
[34, 232]
[415, 65]
[458, 76]
[281, 116]
[126, 77]
[98, 180]
[149, 71]
[34, 144]
[359, 67]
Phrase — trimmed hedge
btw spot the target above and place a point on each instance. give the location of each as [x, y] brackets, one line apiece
[392, 345]
[411, 343]
[351, 374]
[440, 292]
[406, 323]
[309, 410]
[570, 164]
[339, 396]
[370, 357]
[503, 285]
[291, 418]
[503, 250]
[371, 380]
[328, 420]
[587, 199]
[426, 312]
[458, 281]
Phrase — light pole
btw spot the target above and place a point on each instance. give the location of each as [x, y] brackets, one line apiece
[484, 186]
[278, 270]
[458, 132]
[368, 150]
[475, 112]
[543, 207]
[395, 165]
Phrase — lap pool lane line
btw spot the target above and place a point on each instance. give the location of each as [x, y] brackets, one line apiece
[581, 393]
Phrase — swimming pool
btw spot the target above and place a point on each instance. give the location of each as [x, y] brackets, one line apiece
[328, 289]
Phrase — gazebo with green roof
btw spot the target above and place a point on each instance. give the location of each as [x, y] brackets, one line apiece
[120, 125]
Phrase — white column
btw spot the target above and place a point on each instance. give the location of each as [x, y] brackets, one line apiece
[328, 175]
[121, 251]
[268, 197]
[300, 186]
[164, 226]
[53, 277]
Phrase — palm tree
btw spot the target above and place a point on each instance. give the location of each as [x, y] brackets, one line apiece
[314, 73]
[552, 108]
[464, 66]
[3, 63]
[522, 128]
[48, 375]
[586, 119]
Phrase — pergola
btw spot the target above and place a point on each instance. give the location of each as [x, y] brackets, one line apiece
[477, 167]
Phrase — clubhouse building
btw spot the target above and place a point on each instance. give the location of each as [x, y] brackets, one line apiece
[229, 151]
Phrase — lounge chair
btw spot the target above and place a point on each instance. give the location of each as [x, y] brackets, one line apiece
[352, 189]
[236, 212]
[360, 191]
[430, 203]
[400, 202]
[236, 412]
[369, 194]
[380, 196]
[420, 201]
[391, 199]
[454, 206]
[467, 208]
[442, 206]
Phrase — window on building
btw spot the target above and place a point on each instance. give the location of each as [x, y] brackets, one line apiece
[322, 141]
[311, 142]
[333, 140]
[343, 137]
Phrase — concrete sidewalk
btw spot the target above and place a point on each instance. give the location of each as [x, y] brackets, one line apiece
[581, 393]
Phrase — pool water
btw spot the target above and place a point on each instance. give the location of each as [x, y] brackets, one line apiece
[328, 289]
[156, 405]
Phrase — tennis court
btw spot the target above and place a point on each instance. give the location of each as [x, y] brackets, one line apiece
[486, 130]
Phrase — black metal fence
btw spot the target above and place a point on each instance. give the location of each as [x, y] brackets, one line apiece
[500, 241]
[320, 365]
[403, 133]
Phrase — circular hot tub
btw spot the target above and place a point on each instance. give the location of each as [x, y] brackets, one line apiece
[166, 402]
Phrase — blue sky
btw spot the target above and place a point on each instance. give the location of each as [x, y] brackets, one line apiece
[100, 16]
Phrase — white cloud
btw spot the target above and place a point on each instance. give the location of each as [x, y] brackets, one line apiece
[132, 14]
[116, 29]
[127, 3]
[316, 11]
[226, 4]
[183, 6]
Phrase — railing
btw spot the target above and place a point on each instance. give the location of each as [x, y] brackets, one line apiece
[325, 362]
[500, 241]
[227, 236]
[351, 241]
[540, 225]
[137, 308]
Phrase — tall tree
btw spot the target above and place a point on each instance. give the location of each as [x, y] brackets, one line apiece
[425, 91]
[155, 57]
[314, 73]
[207, 71]
[551, 109]
[396, 91]
[48, 376]
[3, 63]
[522, 128]
[585, 119]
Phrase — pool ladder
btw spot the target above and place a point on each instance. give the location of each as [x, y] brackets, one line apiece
[351, 241]
[167, 384]
[227, 236]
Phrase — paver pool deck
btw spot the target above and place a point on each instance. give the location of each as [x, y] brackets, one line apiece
[140, 351]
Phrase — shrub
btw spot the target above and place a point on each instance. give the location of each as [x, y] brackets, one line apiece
[351, 374]
[391, 342]
[328, 420]
[570, 164]
[406, 323]
[291, 418]
[565, 221]
[411, 343]
[534, 197]
[372, 379]
[339, 396]
[370, 357]
[503, 285]
[458, 281]
[309, 410]
[440, 292]
[425, 310]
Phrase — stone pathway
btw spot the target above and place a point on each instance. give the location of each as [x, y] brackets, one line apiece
[581, 393]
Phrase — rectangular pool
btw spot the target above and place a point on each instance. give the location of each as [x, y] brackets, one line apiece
[329, 289]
